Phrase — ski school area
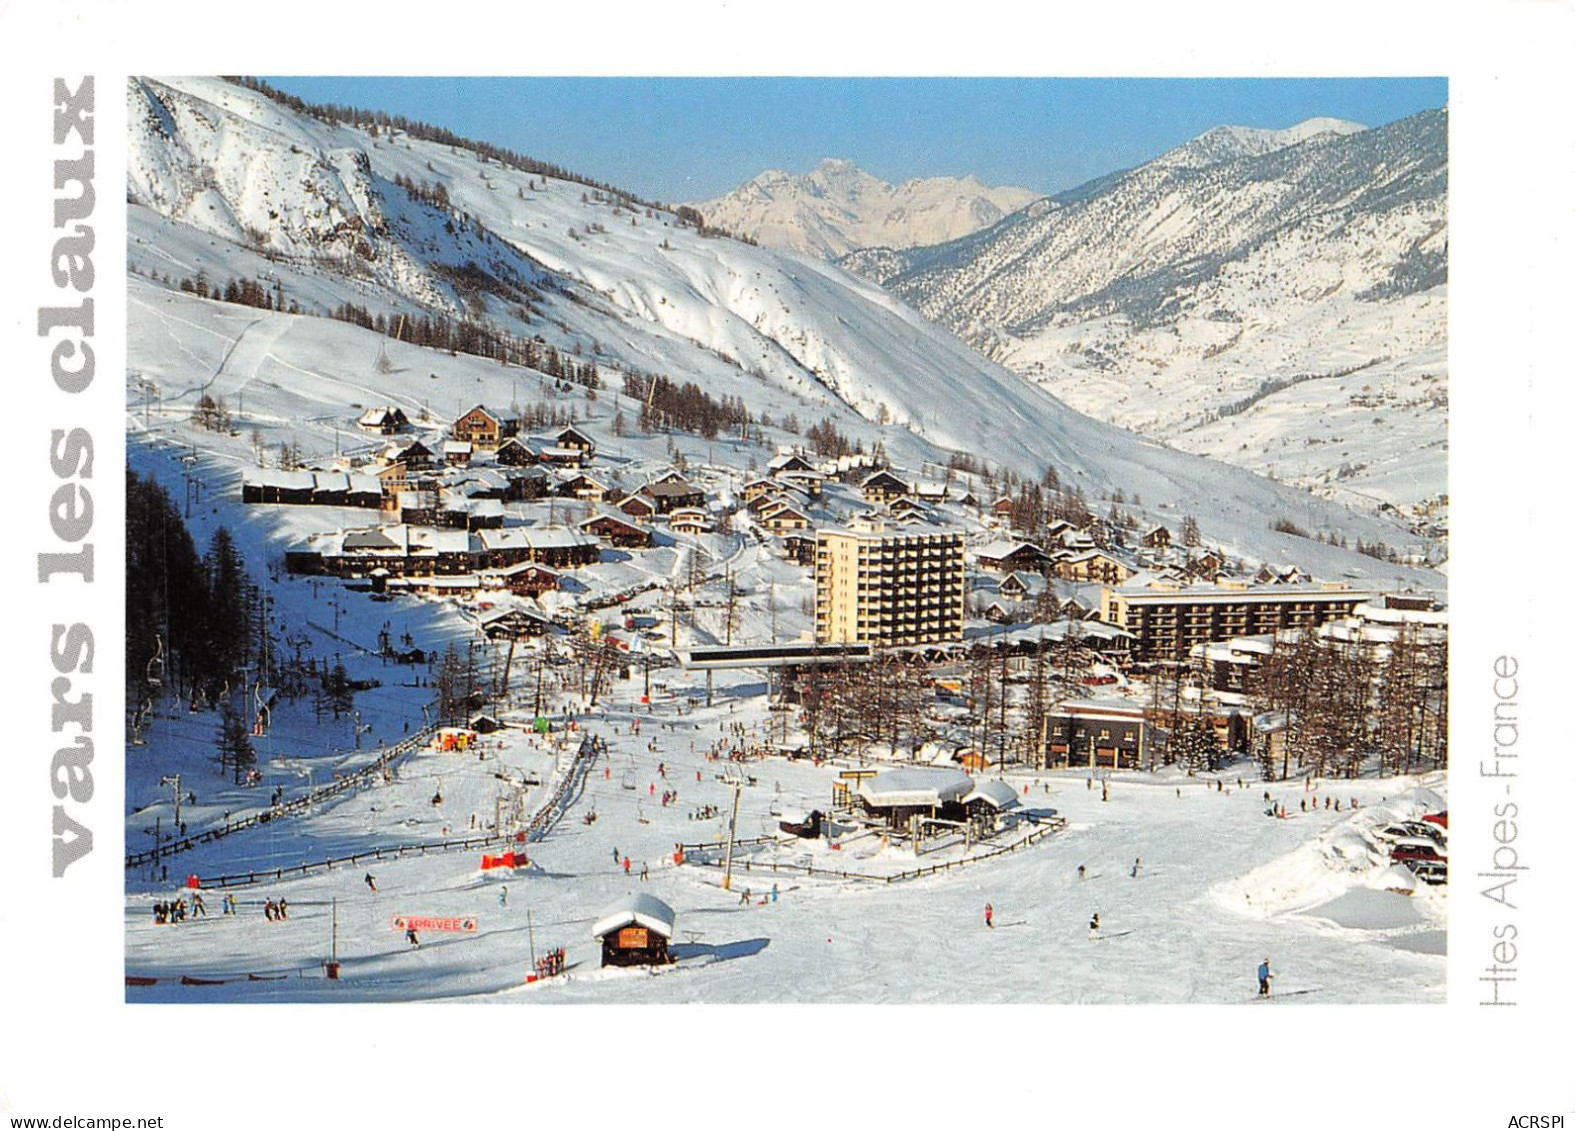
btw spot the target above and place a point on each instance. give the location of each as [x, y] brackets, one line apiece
[667, 852]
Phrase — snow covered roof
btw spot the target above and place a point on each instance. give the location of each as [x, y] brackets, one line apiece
[638, 909]
[917, 786]
[994, 793]
[1003, 548]
[281, 480]
[533, 537]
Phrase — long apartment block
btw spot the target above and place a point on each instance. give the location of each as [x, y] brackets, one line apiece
[1167, 621]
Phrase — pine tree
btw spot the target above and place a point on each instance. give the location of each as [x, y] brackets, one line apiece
[235, 742]
[341, 699]
[227, 625]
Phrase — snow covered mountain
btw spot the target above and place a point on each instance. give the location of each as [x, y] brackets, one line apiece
[1276, 299]
[837, 208]
[225, 183]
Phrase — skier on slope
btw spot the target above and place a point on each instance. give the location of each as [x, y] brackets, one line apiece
[1136, 864]
[370, 883]
[503, 896]
[1093, 928]
[989, 916]
[1264, 975]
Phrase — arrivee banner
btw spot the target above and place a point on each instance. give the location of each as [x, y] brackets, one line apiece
[461, 923]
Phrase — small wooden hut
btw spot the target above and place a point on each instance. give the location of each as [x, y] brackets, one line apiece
[635, 931]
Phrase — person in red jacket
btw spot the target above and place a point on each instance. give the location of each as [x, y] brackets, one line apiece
[989, 916]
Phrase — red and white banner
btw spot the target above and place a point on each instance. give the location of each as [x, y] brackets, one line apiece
[459, 923]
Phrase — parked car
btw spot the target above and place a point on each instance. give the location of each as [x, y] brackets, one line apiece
[1400, 830]
[1439, 819]
[1429, 871]
[1403, 853]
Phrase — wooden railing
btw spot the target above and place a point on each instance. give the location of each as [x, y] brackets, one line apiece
[562, 796]
[746, 865]
[291, 808]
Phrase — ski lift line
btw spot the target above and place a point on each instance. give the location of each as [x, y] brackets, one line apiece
[295, 806]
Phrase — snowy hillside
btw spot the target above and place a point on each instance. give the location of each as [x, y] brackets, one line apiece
[225, 183]
[1275, 299]
[837, 208]
[284, 272]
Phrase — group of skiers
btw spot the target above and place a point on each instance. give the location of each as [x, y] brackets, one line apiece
[274, 911]
[747, 897]
[176, 910]
[550, 963]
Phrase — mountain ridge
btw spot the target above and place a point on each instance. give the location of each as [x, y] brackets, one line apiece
[837, 207]
[1160, 297]
[635, 291]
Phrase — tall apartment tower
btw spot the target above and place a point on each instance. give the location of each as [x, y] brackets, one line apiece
[888, 588]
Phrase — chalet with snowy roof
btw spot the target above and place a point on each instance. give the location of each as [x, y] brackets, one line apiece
[515, 624]
[759, 488]
[790, 461]
[785, 496]
[524, 579]
[689, 520]
[1002, 507]
[398, 549]
[1095, 565]
[988, 801]
[575, 440]
[1020, 586]
[481, 483]
[483, 428]
[1206, 563]
[668, 495]
[515, 452]
[270, 485]
[811, 482]
[783, 519]
[415, 455]
[908, 507]
[1273, 575]
[931, 490]
[385, 420]
[457, 453]
[1156, 538]
[555, 546]
[635, 931]
[556, 455]
[1005, 556]
[311, 488]
[636, 506]
[896, 796]
[582, 486]
[1003, 611]
[882, 487]
[617, 530]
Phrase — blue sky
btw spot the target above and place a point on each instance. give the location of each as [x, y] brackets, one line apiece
[676, 139]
